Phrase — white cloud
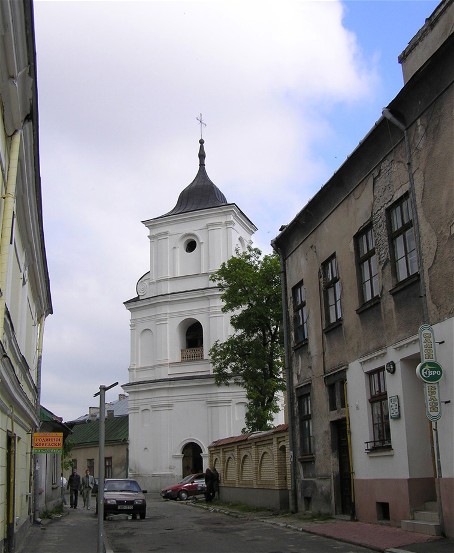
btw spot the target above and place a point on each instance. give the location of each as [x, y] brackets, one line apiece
[120, 86]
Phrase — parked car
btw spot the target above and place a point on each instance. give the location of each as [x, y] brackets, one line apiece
[123, 496]
[194, 484]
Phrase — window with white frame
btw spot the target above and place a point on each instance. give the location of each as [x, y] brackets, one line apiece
[299, 313]
[403, 239]
[367, 262]
[332, 290]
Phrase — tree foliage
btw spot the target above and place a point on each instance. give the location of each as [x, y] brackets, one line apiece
[253, 355]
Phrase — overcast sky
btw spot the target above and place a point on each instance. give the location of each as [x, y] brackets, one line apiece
[287, 91]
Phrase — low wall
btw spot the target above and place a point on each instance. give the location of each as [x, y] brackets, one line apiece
[254, 468]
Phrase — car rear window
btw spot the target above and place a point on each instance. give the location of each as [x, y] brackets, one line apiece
[122, 486]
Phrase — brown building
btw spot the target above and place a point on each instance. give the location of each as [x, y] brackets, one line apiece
[366, 263]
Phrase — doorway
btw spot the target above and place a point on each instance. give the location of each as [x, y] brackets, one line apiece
[192, 459]
[10, 487]
[345, 479]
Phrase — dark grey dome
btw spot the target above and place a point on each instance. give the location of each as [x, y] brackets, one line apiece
[201, 193]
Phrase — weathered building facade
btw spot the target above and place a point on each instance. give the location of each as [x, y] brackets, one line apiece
[365, 263]
[25, 299]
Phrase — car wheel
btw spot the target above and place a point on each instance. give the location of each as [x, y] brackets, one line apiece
[183, 495]
[142, 515]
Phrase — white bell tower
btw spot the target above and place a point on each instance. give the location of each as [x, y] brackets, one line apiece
[175, 408]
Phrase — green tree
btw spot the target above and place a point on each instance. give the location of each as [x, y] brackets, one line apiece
[66, 461]
[253, 356]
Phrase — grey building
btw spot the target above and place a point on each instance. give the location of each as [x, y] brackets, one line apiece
[366, 263]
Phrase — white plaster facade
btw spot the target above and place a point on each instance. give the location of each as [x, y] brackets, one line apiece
[174, 402]
[25, 299]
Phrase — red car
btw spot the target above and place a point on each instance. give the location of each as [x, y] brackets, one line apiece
[194, 484]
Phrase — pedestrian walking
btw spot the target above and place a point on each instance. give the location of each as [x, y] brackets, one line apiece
[63, 484]
[74, 486]
[88, 482]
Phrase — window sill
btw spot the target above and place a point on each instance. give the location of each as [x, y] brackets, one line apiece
[404, 283]
[300, 344]
[368, 305]
[332, 326]
[380, 452]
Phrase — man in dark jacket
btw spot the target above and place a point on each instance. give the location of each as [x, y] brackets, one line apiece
[73, 487]
[209, 482]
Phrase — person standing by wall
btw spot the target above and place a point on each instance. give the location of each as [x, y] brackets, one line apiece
[209, 482]
[88, 482]
[216, 481]
[74, 487]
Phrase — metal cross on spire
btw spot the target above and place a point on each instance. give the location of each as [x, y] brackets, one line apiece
[202, 124]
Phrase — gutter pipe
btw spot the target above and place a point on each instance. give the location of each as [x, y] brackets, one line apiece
[293, 500]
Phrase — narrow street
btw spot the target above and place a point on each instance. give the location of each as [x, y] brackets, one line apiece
[176, 527]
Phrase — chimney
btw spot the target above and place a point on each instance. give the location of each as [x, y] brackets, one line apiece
[93, 413]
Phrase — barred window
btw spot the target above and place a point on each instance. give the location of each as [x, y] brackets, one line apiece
[367, 261]
[299, 313]
[332, 290]
[403, 239]
[379, 409]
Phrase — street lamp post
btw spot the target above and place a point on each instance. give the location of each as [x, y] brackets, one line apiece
[100, 499]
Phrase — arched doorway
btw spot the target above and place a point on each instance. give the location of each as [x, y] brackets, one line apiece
[192, 459]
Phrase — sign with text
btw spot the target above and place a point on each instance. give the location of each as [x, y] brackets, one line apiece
[433, 403]
[429, 372]
[393, 407]
[47, 442]
[427, 343]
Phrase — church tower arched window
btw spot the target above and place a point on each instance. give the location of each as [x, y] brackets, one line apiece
[194, 343]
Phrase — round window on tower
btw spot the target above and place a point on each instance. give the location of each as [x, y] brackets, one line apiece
[190, 246]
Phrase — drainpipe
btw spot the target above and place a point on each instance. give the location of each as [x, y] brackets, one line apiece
[36, 516]
[422, 291]
[422, 281]
[7, 221]
[293, 501]
[350, 454]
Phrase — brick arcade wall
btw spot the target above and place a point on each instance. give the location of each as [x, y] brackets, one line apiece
[254, 468]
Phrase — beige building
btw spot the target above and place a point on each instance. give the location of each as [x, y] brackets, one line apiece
[367, 262]
[25, 299]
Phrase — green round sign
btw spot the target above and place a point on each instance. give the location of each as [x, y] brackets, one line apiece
[429, 371]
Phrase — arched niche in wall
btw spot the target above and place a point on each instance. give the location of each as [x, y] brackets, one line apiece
[146, 348]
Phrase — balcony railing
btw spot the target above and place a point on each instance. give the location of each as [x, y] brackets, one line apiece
[192, 354]
[376, 445]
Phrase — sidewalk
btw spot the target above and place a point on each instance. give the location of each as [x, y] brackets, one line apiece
[378, 537]
[75, 531]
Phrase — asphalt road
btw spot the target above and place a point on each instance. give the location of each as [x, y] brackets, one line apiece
[177, 527]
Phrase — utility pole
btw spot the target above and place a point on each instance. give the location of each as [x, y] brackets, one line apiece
[102, 432]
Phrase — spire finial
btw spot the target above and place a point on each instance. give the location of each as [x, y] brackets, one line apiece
[202, 124]
[202, 154]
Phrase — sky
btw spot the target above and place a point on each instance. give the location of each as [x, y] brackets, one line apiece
[287, 90]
